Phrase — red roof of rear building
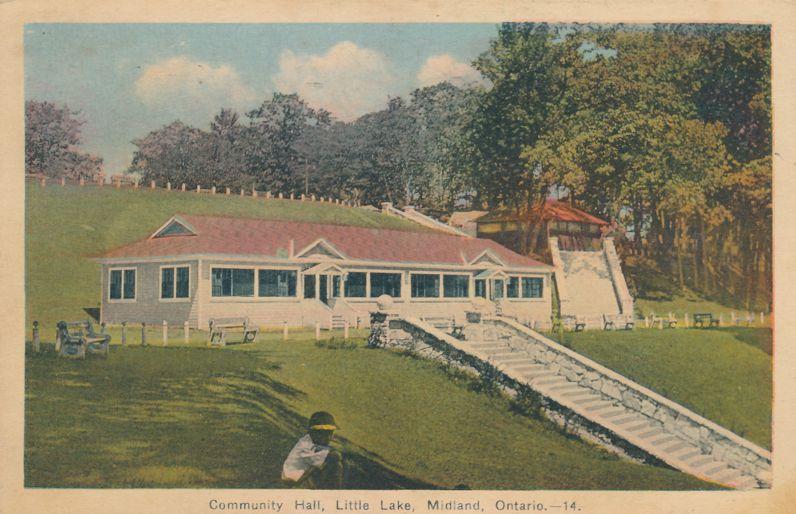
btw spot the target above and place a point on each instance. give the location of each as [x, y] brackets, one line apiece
[553, 210]
[269, 238]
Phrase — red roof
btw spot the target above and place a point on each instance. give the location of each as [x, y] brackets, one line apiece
[245, 237]
[553, 210]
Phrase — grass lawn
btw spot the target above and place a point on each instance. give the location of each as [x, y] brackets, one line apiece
[197, 417]
[67, 225]
[724, 374]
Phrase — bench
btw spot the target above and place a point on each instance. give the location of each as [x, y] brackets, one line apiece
[705, 320]
[568, 321]
[670, 322]
[75, 339]
[220, 328]
[612, 322]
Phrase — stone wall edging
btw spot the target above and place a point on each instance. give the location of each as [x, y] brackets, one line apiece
[688, 424]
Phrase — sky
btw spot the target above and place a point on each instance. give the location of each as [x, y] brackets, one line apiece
[127, 80]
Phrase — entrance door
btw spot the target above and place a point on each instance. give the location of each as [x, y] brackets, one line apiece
[323, 289]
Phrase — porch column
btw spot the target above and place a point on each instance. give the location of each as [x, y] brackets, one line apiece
[367, 284]
[317, 287]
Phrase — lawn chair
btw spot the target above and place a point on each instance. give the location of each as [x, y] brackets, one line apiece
[75, 339]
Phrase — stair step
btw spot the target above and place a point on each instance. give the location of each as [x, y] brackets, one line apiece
[613, 413]
[553, 380]
[566, 386]
[689, 455]
[625, 420]
[675, 447]
[581, 391]
[639, 426]
[652, 434]
[666, 439]
[522, 360]
[721, 468]
[602, 406]
[728, 475]
[588, 400]
[699, 463]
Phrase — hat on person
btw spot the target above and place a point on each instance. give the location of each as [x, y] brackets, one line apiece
[322, 420]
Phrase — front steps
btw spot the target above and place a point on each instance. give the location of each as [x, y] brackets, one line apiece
[646, 421]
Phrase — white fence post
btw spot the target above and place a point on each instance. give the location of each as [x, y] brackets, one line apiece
[685, 320]
[186, 332]
[226, 191]
[151, 184]
[183, 187]
[762, 318]
[213, 190]
[165, 332]
[345, 329]
[284, 331]
[168, 186]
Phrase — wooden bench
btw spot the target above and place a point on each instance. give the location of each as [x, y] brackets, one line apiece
[612, 322]
[220, 328]
[670, 322]
[705, 320]
[569, 322]
[75, 339]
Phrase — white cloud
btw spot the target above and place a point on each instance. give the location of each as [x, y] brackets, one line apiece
[185, 82]
[442, 67]
[347, 80]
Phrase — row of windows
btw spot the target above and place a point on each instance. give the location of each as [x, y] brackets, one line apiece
[239, 282]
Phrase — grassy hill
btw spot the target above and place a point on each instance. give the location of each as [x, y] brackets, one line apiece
[67, 225]
[723, 374]
[199, 417]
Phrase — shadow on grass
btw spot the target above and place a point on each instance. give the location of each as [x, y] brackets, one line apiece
[760, 338]
[171, 417]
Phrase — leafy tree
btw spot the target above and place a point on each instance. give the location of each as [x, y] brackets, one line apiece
[175, 153]
[52, 139]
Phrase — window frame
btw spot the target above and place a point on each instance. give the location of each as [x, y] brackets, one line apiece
[122, 299]
[175, 298]
[365, 288]
[541, 287]
[233, 297]
[258, 283]
[400, 283]
[456, 275]
[421, 298]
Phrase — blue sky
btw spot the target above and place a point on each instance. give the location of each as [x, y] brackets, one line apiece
[127, 80]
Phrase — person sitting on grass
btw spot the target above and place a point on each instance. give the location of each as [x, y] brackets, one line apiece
[313, 463]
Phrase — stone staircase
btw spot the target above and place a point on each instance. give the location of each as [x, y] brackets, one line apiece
[636, 415]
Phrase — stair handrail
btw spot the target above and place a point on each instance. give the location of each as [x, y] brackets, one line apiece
[595, 366]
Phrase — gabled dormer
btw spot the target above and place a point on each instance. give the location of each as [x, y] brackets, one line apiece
[320, 249]
[175, 227]
[487, 257]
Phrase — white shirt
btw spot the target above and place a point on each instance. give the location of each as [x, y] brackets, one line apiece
[303, 456]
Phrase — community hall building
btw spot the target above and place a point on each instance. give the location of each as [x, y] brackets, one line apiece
[198, 268]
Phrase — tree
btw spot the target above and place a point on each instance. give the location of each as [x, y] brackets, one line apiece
[52, 138]
[175, 153]
[272, 142]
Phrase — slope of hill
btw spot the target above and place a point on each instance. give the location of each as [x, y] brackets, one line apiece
[66, 225]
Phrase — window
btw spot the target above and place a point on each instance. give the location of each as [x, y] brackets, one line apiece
[385, 283]
[174, 282]
[497, 288]
[233, 282]
[122, 284]
[355, 285]
[532, 287]
[480, 288]
[309, 286]
[275, 282]
[335, 286]
[513, 288]
[456, 286]
[425, 286]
